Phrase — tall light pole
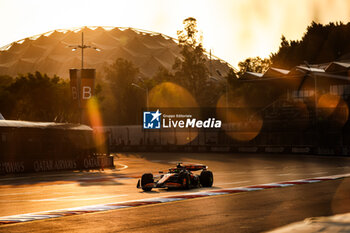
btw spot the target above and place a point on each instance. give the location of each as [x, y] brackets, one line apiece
[216, 79]
[82, 46]
[226, 88]
[146, 90]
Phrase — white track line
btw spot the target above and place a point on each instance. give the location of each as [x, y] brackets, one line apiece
[123, 167]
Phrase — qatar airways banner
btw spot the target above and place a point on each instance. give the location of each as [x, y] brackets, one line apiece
[46, 165]
[82, 85]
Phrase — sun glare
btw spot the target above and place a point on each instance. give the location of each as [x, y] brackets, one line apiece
[95, 119]
[233, 30]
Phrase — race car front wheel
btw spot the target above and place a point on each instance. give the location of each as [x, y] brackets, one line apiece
[206, 178]
[147, 182]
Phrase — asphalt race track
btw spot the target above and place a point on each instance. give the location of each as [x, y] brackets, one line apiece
[253, 211]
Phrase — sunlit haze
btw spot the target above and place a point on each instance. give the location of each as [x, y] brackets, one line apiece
[233, 30]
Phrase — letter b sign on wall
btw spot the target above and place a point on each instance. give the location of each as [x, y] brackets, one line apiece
[82, 85]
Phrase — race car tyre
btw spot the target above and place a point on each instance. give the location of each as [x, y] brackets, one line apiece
[206, 178]
[185, 180]
[146, 178]
[188, 182]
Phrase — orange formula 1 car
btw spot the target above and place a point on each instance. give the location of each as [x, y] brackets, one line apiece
[179, 177]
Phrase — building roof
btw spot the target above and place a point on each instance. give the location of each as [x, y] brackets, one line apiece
[251, 75]
[334, 70]
[338, 67]
[273, 72]
[310, 69]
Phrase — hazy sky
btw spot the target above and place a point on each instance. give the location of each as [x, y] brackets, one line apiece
[234, 30]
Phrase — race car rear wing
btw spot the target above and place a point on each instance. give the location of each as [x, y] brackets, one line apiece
[189, 167]
[195, 167]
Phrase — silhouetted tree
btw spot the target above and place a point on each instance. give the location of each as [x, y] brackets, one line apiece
[162, 75]
[320, 43]
[190, 70]
[120, 97]
[36, 97]
[255, 64]
[189, 35]
[5, 95]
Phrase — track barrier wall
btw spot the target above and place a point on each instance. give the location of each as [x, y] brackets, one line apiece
[49, 165]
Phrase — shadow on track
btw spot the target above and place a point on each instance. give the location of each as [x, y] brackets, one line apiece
[83, 178]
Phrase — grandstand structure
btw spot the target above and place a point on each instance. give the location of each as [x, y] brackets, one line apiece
[50, 52]
[301, 81]
[298, 121]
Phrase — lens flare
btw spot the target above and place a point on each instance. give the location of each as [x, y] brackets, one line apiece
[241, 124]
[327, 103]
[171, 95]
[96, 123]
[174, 98]
[334, 108]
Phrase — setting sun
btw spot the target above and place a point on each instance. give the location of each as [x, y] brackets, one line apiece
[233, 30]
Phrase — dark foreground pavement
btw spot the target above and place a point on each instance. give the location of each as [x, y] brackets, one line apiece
[245, 212]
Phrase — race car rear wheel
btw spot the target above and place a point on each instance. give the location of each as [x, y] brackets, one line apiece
[188, 182]
[146, 180]
[206, 178]
[185, 180]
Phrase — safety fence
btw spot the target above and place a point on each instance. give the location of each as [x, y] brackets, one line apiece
[307, 149]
